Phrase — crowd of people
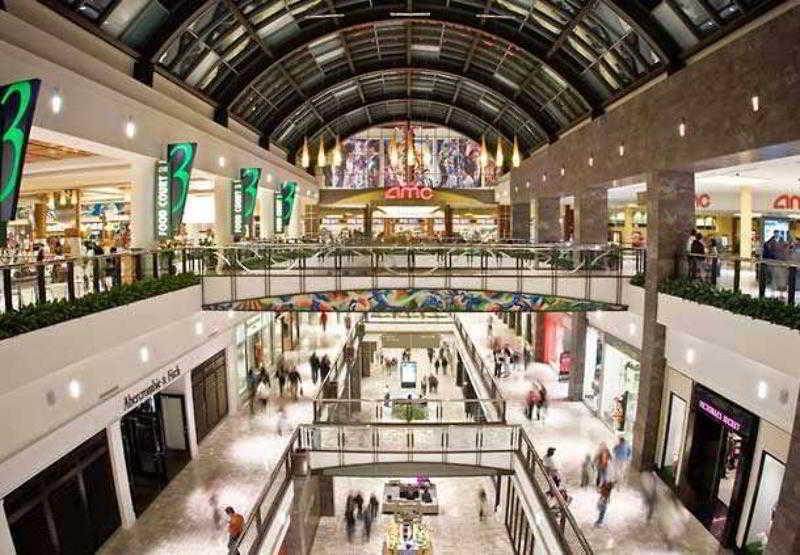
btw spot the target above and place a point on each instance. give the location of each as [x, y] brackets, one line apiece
[356, 511]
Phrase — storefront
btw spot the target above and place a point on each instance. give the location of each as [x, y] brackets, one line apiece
[555, 347]
[254, 348]
[717, 458]
[611, 380]
[70, 507]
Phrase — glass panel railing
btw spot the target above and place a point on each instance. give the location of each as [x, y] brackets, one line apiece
[405, 411]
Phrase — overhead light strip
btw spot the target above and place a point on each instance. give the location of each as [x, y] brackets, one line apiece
[494, 16]
[410, 14]
[325, 16]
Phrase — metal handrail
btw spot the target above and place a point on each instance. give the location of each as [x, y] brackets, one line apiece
[255, 517]
[339, 361]
[302, 440]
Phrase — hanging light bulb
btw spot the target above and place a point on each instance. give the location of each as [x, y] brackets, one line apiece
[73, 199]
[411, 155]
[484, 157]
[426, 156]
[62, 199]
[51, 201]
[498, 157]
[515, 158]
[321, 158]
[393, 156]
[305, 158]
[337, 153]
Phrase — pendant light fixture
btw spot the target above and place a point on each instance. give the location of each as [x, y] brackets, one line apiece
[305, 157]
[337, 153]
[393, 156]
[51, 201]
[62, 198]
[515, 157]
[484, 157]
[411, 156]
[74, 197]
[498, 157]
[321, 158]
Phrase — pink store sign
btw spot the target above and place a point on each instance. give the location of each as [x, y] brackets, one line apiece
[720, 416]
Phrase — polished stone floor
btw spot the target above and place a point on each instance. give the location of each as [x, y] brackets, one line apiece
[457, 529]
[233, 462]
[575, 432]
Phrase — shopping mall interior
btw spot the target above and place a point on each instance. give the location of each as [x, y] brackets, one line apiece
[399, 277]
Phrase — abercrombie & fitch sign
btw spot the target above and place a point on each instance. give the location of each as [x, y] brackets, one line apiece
[156, 384]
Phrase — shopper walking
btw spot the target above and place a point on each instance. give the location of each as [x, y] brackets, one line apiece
[235, 525]
[483, 505]
[348, 322]
[314, 362]
[282, 421]
[601, 460]
[280, 375]
[324, 367]
[323, 321]
[349, 519]
[649, 494]
[358, 500]
[622, 459]
[586, 471]
[436, 364]
[444, 364]
[430, 355]
[373, 505]
[602, 503]
[531, 401]
[368, 517]
[262, 393]
[541, 406]
[252, 385]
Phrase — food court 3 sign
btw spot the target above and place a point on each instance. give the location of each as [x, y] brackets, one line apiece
[17, 105]
[243, 200]
[172, 188]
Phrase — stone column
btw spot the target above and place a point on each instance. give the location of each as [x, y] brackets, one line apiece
[119, 470]
[591, 216]
[784, 537]
[327, 504]
[266, 198]
[538, 337]
[670, 219]
[368, 220]
[40, 217]
[521, 221]
[448, 220]
[546, 219]
[191, 424]
[222, 211]
[576, 373]
[746, 222]
[143, 184]
[6, 541]
[627, 229]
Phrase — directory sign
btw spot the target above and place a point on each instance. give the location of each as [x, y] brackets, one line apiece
[408, 374]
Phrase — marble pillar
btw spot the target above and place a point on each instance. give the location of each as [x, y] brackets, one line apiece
[547, 219]
[746, 222]
[305, 513]
[327, 504]
[670, 219]
[368, 220]
[143, 184]
[448, 220]
[784, 537]
[119, 470]
[591, 216]
[579, 325]
[222, 211]
[521, 221]
[266, 201]
[6, 540]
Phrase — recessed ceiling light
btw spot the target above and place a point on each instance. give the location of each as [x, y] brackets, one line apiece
[682, 128]
[56, 102]
[763, 389]
[563, 171]
[74, 389]
[144, 354]
[755, 102]
[622, 149]
[221, 161]
[130, 128]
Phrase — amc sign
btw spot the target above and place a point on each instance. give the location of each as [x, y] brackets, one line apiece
[787, 202]
[408, 192]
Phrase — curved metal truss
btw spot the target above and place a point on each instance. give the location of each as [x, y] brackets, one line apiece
[419, 111]
[549, 63]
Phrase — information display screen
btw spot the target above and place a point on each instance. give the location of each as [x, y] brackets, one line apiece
[408, 374]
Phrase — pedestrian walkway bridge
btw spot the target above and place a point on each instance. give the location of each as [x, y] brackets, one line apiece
[434, 450]
[448, 278]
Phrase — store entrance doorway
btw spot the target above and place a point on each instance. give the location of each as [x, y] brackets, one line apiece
[718, 466]
[156, 444]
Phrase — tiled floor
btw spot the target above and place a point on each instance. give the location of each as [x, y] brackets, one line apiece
[457, 529]
[234, 460]
[575, 432]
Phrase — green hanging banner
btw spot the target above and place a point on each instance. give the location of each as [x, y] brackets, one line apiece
[250, 178]
[180, 158]
[237, 209]
[162, 203]
[17, 105]
[288, 193]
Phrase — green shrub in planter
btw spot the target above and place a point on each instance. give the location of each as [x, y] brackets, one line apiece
[770, 310]
[36, 316]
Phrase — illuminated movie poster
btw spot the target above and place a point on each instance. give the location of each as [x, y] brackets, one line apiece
[360, 165]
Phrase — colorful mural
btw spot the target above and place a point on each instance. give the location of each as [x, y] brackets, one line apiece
[417, 300]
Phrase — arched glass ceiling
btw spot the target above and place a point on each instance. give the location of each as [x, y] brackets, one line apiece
[557, 60]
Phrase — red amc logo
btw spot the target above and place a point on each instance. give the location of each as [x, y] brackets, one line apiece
[787, 202]
[702, 201]
[409, 192]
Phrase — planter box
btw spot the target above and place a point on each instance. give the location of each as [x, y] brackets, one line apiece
[32, 355]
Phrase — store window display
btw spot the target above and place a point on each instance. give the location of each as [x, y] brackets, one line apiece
[763, 510]
[254, 342]
[593, 369]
